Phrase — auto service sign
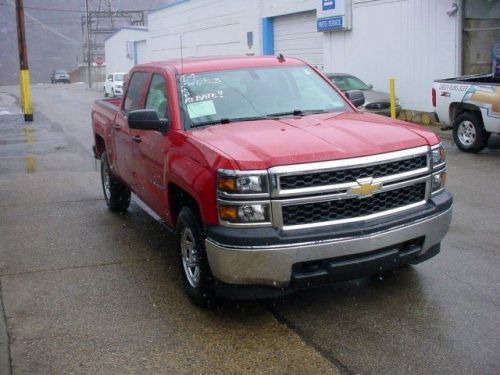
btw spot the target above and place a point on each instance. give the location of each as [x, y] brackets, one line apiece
[334, 15]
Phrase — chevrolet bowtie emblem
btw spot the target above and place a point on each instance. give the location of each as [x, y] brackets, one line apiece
[366, 187]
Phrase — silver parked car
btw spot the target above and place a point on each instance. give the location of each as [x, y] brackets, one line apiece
[59, 75]
[375, 101]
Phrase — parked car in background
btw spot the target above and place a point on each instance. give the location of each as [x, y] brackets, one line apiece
[114, 84]
[59, 75]
[471, 105]
[375, 101]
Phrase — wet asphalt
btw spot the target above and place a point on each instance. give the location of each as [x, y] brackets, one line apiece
[84, 290]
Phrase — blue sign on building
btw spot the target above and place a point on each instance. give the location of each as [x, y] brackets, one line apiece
[330, 23]
[328, 4]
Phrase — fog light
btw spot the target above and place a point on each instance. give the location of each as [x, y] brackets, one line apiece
[244, 213]
[438, 181]
[254, 212]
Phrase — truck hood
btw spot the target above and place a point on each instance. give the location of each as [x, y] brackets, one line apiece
[264, 144]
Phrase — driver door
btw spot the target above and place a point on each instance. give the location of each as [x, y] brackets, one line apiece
[151, 149]
[122, 134]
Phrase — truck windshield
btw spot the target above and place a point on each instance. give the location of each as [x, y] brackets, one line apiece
[254, 93]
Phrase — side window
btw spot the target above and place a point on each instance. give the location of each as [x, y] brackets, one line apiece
[133, 98]
[110, 77]
[157, 97]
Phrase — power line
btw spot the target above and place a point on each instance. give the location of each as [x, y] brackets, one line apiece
[81, 11]
[45, 27]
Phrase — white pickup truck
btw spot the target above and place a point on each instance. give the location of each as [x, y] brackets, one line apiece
[471, 105]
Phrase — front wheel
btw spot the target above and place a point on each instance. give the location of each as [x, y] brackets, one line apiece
[469, 133]
[113, 93]
[116, 194]
[105, 93]
[198, 279]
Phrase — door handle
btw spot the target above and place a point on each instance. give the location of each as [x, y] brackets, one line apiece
[136, 139]
[116, 127]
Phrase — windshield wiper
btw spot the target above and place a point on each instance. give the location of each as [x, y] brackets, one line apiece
[297, 112]
[228, 120]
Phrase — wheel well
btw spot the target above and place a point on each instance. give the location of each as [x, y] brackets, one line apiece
[456, 109]
[99, 145]
[179, 198]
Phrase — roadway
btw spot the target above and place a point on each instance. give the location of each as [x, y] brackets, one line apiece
[88, 291]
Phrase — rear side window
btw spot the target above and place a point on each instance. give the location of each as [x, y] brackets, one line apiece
[133, 98]
[157, 98]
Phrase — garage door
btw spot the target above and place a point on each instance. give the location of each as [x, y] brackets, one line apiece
[295, 35]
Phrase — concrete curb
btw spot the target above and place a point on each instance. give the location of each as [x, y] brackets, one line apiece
[5, 365]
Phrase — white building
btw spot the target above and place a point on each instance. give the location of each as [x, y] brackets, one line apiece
[414, 41]
[126, 48]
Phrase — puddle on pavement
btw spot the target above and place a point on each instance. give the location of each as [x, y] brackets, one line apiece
[30, 164]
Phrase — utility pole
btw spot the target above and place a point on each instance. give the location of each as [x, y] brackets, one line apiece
[24, 73]
[87, 22]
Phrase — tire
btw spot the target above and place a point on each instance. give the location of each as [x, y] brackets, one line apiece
[198, 280]
[116, 194]
[105, 93]
[113, 92]
[468, 132]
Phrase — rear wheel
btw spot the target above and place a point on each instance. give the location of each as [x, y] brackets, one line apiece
[197, 277]
[116, 194]
[469, 133]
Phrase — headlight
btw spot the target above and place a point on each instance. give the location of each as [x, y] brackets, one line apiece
[438, 181]
[242, 183]
[438, 156]
[247, 213]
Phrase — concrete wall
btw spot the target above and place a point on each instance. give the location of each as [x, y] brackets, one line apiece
[115, 47]
[217, 27]
[273, 8]
[413, 41]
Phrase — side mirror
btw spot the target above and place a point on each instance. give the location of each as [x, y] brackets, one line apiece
[370, 86]
[356, 97]
[146, 119]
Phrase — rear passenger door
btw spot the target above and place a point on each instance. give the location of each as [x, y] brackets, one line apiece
[152, 147]
[133, 100]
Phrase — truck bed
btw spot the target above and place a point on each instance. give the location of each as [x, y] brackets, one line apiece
[104, 113]
[477, 78]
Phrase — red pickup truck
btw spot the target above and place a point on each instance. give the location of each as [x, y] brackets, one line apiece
[270, 177]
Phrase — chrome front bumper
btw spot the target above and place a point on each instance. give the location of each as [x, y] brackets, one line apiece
[272, 265]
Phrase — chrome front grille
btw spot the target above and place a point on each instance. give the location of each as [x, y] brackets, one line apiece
[349, 190]
[352, 208]
[352, 174]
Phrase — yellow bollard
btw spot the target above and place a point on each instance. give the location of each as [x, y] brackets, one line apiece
[26, 105]
[392, 96]
[24, 73]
